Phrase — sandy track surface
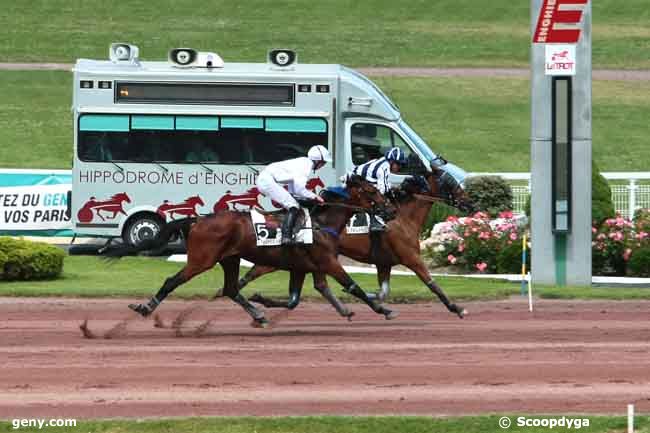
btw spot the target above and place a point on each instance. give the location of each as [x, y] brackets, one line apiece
[567, 357]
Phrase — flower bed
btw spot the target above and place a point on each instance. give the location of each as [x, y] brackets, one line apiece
[614, 243]
[479, 244]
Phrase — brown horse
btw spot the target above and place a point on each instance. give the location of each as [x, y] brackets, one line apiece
[228, 236]
[398, 245]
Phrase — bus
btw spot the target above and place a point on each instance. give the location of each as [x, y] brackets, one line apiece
[161, 140]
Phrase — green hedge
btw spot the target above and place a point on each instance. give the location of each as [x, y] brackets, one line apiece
[602, 206]
[491, 194]
[639, 264]
[25, 260]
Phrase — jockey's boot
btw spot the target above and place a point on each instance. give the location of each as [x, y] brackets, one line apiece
[287, 227]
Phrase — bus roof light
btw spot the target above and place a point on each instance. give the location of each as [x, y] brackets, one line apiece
[122, 52]
[282, 58]
[189, 58]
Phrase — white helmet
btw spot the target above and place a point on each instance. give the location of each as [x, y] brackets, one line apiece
[319, 153]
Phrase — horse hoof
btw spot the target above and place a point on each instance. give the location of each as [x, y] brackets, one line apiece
[349, 315]
[462, 313]
[390, 314]
[141, 309]
[261, 323]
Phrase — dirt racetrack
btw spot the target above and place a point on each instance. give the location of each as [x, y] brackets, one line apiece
[567, 357]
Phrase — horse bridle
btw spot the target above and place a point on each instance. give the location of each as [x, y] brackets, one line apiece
[447, 184]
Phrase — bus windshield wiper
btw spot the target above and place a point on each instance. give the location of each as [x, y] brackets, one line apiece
[206, 167]
[118, 167]
[161, 166]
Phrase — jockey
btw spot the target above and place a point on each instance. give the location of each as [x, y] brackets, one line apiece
[378, 171]
[294, 173]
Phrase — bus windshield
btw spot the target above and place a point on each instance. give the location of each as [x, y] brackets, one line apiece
[421, 145]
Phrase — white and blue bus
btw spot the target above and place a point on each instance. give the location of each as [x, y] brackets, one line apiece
[156, 141]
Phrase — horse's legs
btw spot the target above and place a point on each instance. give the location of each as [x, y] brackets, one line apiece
[230, 267]
[296, 281]
[253, 273]
[197, 262]
[383, 278]
[320, 284]
[334, 268]
[416, 265]
[183, 276]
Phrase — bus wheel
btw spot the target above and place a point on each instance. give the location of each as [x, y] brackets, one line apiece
[140, 228]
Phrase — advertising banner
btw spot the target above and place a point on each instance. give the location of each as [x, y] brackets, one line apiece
[35, 202]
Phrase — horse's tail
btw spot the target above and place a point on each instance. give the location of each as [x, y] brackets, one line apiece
[159, 241]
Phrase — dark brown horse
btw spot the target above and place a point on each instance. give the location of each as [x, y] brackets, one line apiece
[398, 245]
[228, 236]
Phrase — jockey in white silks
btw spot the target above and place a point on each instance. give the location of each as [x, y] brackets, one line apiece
[378, 172]
[293, 173]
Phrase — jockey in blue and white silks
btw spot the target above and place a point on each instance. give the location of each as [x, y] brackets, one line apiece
[378, 172]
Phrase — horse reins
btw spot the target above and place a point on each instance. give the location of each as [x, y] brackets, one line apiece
[430, 199]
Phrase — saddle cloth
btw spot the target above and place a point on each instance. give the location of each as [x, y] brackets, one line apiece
[270, 235]
[358, 224]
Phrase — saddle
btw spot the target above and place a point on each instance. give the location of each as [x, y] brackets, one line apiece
[268, 228]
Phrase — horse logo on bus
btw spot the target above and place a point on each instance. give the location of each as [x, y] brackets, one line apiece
[187, 208]
[93, 207]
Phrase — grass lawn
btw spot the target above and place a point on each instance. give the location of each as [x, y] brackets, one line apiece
[141, 276]
[339, 424]
[86, 276]
[367, 32]
[482, 124]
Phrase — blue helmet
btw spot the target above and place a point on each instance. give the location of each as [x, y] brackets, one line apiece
[396, 155]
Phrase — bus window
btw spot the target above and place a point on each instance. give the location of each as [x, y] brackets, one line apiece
[235, 144]
[372, 141]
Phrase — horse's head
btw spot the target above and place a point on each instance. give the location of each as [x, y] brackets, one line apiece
[364, 194]
[120, 197]
[194, 200]
[446, 187]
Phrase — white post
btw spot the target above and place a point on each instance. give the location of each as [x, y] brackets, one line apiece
[630, 418]
[530, 293]
[632, 197]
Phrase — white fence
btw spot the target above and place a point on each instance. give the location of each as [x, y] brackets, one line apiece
[630, 191]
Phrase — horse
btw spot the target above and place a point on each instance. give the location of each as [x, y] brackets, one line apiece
[228, 236]
[398, 245]
[186, 208]
[113, 204]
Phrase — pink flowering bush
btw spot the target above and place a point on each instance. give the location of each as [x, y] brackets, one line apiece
[478, 244]
[613, 244]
